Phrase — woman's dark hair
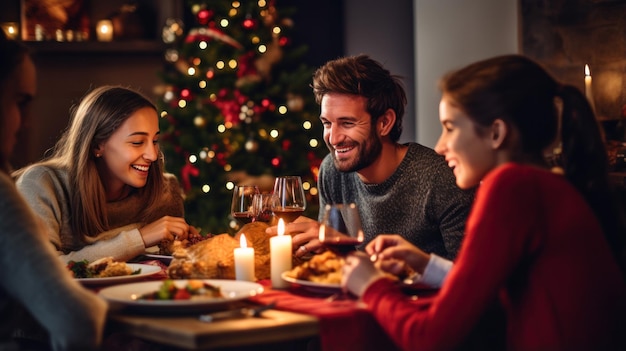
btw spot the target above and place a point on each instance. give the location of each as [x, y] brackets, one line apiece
[523, 94]
[363, 76]
[12, 53]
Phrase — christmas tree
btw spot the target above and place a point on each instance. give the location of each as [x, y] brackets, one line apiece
[237, 106]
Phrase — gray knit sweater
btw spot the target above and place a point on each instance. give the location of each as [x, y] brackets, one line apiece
[47, 192]
[34, 282]
[419, 201]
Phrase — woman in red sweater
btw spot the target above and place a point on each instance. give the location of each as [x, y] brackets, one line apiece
[533, 247]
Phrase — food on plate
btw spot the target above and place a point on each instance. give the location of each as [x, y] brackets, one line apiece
[168, 247]
[193, 290]
[100, 268]
[214, 258]
[323, 268]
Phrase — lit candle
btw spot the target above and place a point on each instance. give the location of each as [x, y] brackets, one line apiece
[104, 30]
[588, 91]
[10, 30]
[244, 261]
[280, 255]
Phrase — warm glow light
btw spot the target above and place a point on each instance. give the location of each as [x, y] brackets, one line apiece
[224, 23]
[193, 158]
[206, 188]
[282, 110]
[587, 71]
[104, 30]
[191, 71]
[242, 241]
[203, 45]
[281, 227]
[322, 234]
[182, 103]
[307, 125]
[262, 49]
[274, 133]
[313, 143]
[220, 64]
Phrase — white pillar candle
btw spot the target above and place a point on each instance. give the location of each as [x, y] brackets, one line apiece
[588, 90]
[244, 261]
[104, 30]
[280, 256]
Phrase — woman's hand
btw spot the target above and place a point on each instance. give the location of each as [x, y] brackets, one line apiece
[359, 273]
[164, 228]
[393, 251]
[305, 235]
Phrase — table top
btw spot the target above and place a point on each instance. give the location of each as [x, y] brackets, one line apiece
[189, 332]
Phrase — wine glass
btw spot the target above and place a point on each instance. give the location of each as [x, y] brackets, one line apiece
[289, 201]
[340, 229]
[262, 207]
[241, 205]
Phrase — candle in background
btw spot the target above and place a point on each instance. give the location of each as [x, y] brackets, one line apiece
[244, 261]
[588, 91]
[280, 255]
[11, 30]
[104, 30]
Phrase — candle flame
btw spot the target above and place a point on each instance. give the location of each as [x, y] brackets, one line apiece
[322, 234]
[281, 227]
[242, 241]
[587, 71]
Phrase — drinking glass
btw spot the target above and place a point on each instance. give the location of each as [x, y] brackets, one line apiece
[262, 207]
[289, 202]
[241, 205]
[340, 229]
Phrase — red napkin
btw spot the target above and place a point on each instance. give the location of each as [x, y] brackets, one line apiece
[344, 324]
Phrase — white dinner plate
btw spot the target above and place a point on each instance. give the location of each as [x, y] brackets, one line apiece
[146, 270]
[163, 258]
[128, 295]
[323, 288]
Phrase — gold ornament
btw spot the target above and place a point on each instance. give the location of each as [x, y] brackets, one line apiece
[252, 145]
[295, 103]
[199, 121]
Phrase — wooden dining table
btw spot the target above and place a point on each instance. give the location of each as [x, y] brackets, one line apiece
[301, 319]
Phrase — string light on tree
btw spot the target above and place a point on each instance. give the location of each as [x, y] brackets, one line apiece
[236, 94]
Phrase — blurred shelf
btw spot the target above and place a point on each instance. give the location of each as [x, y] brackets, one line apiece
[95, 47]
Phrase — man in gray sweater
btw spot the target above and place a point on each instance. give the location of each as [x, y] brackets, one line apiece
[404, 189]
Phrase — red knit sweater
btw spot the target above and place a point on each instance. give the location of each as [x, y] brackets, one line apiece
[534, 247]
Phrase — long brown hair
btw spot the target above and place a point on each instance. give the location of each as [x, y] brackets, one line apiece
[100, 113]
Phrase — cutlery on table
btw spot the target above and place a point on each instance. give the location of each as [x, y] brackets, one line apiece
[244, 312]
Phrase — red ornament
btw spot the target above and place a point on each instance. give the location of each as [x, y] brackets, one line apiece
[185, 94]
[276, 162]
[286, 145]
[186, 172]
[204, 16]
[249, 23]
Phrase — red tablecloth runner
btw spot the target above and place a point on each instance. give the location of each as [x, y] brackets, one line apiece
[344, 324]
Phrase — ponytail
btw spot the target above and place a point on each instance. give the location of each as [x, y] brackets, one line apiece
[585, 162]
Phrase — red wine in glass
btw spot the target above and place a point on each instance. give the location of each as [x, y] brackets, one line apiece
[241, 205]
[288, 214]
[289, 201]
[243, 217]
[340, 229]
